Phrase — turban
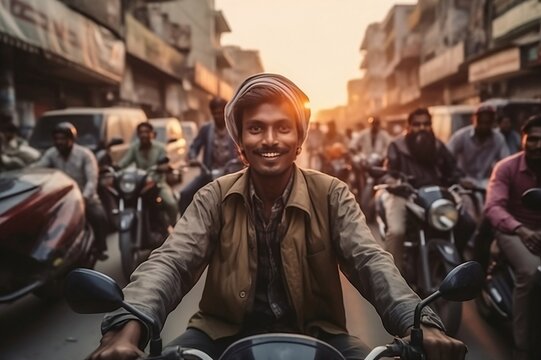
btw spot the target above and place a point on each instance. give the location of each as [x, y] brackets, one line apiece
[291, 92]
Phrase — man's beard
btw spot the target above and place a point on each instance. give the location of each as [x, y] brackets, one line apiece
[422, 145]
[534, 164]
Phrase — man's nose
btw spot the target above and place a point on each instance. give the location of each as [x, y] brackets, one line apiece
[270, 137]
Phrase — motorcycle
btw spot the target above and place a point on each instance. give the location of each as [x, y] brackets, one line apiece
[337, 162]
[139, 216]
[430, 250]
[495, 302]
[366, 168]
[91, 292]
[43, 232]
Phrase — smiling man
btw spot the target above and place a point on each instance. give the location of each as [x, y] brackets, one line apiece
[272, 238]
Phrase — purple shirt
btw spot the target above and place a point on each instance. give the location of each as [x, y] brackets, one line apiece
[510, 178]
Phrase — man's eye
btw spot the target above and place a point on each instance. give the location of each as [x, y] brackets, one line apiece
[254, 129]
[284, 128]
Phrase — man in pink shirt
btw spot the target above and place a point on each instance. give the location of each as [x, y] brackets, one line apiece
[518, 229]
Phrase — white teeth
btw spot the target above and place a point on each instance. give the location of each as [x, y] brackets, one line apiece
[269, 155]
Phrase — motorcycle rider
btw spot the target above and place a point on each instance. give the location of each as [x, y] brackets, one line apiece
[218, 149]
[517, 228]
[272, 237]
[81, 165]
[145, 153]
[478, 147]
[511, 136]
[373, 139]
[420, 155]
[15, 153]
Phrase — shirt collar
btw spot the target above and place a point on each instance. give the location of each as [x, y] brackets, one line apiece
[298, 196]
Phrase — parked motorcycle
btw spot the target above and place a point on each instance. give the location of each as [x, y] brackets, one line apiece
[430, 251]
[90, 292]
[139, 217]
[495, 302]
[43, 232]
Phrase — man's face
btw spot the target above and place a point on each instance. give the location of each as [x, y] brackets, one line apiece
[62, 143]
[145, 135]
[270, 138]
[218, 116]
[506, 125]
[420, 123]
[484, 123]
[531, 143]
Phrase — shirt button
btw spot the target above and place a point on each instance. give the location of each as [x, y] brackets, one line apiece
[242, 294]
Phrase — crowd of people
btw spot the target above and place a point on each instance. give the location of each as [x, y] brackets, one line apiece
[273, 235]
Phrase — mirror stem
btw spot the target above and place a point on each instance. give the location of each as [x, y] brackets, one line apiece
[155, 339]
[420, 306]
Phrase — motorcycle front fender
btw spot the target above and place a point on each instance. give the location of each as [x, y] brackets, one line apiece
[127, 219]
[447, 250]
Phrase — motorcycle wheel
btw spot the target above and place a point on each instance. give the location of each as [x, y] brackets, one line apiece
[450, 312]
[129, 255]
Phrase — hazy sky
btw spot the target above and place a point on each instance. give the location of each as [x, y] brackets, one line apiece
[313, 42]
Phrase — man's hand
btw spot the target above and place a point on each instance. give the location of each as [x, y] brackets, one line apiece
[120, 344]
[531, 239]
[438, 346]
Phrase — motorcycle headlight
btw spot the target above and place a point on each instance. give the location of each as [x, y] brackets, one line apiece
[127, 184]
[443, 215]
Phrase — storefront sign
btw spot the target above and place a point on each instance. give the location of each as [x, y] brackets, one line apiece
[503, 62]
[441, 66]
[52, 26]
[107, 13]
[145, 45]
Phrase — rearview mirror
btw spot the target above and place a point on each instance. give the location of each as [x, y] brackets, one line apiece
[532, 199]
[91, 292]
[463, 283]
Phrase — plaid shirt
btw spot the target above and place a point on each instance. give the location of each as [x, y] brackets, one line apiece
[272, 310]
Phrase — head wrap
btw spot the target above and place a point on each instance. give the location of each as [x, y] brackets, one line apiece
[295, 96]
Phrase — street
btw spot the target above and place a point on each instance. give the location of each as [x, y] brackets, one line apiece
[33, 329]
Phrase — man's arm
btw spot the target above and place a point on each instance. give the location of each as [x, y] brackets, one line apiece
[46, 161]
[128, 158]
[91, 175]
[159, 284]
[498, 199]
[198, 142]
[371, 269]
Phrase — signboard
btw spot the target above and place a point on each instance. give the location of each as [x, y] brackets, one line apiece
[52, 26]
[503, 62]
[147, 46]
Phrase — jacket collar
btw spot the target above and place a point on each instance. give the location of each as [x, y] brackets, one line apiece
[298, 198]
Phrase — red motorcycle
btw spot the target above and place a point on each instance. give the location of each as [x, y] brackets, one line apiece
[43, 232]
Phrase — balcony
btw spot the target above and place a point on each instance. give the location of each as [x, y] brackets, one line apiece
[521, 14]
[442, 66]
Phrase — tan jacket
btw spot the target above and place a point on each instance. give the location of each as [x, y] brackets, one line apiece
[324, 229]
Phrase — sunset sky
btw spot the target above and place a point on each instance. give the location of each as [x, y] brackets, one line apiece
[313, 42]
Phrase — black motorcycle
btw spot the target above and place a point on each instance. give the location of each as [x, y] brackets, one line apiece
[90, 292]
[430, 250]
[495, 302]
[139, 217]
